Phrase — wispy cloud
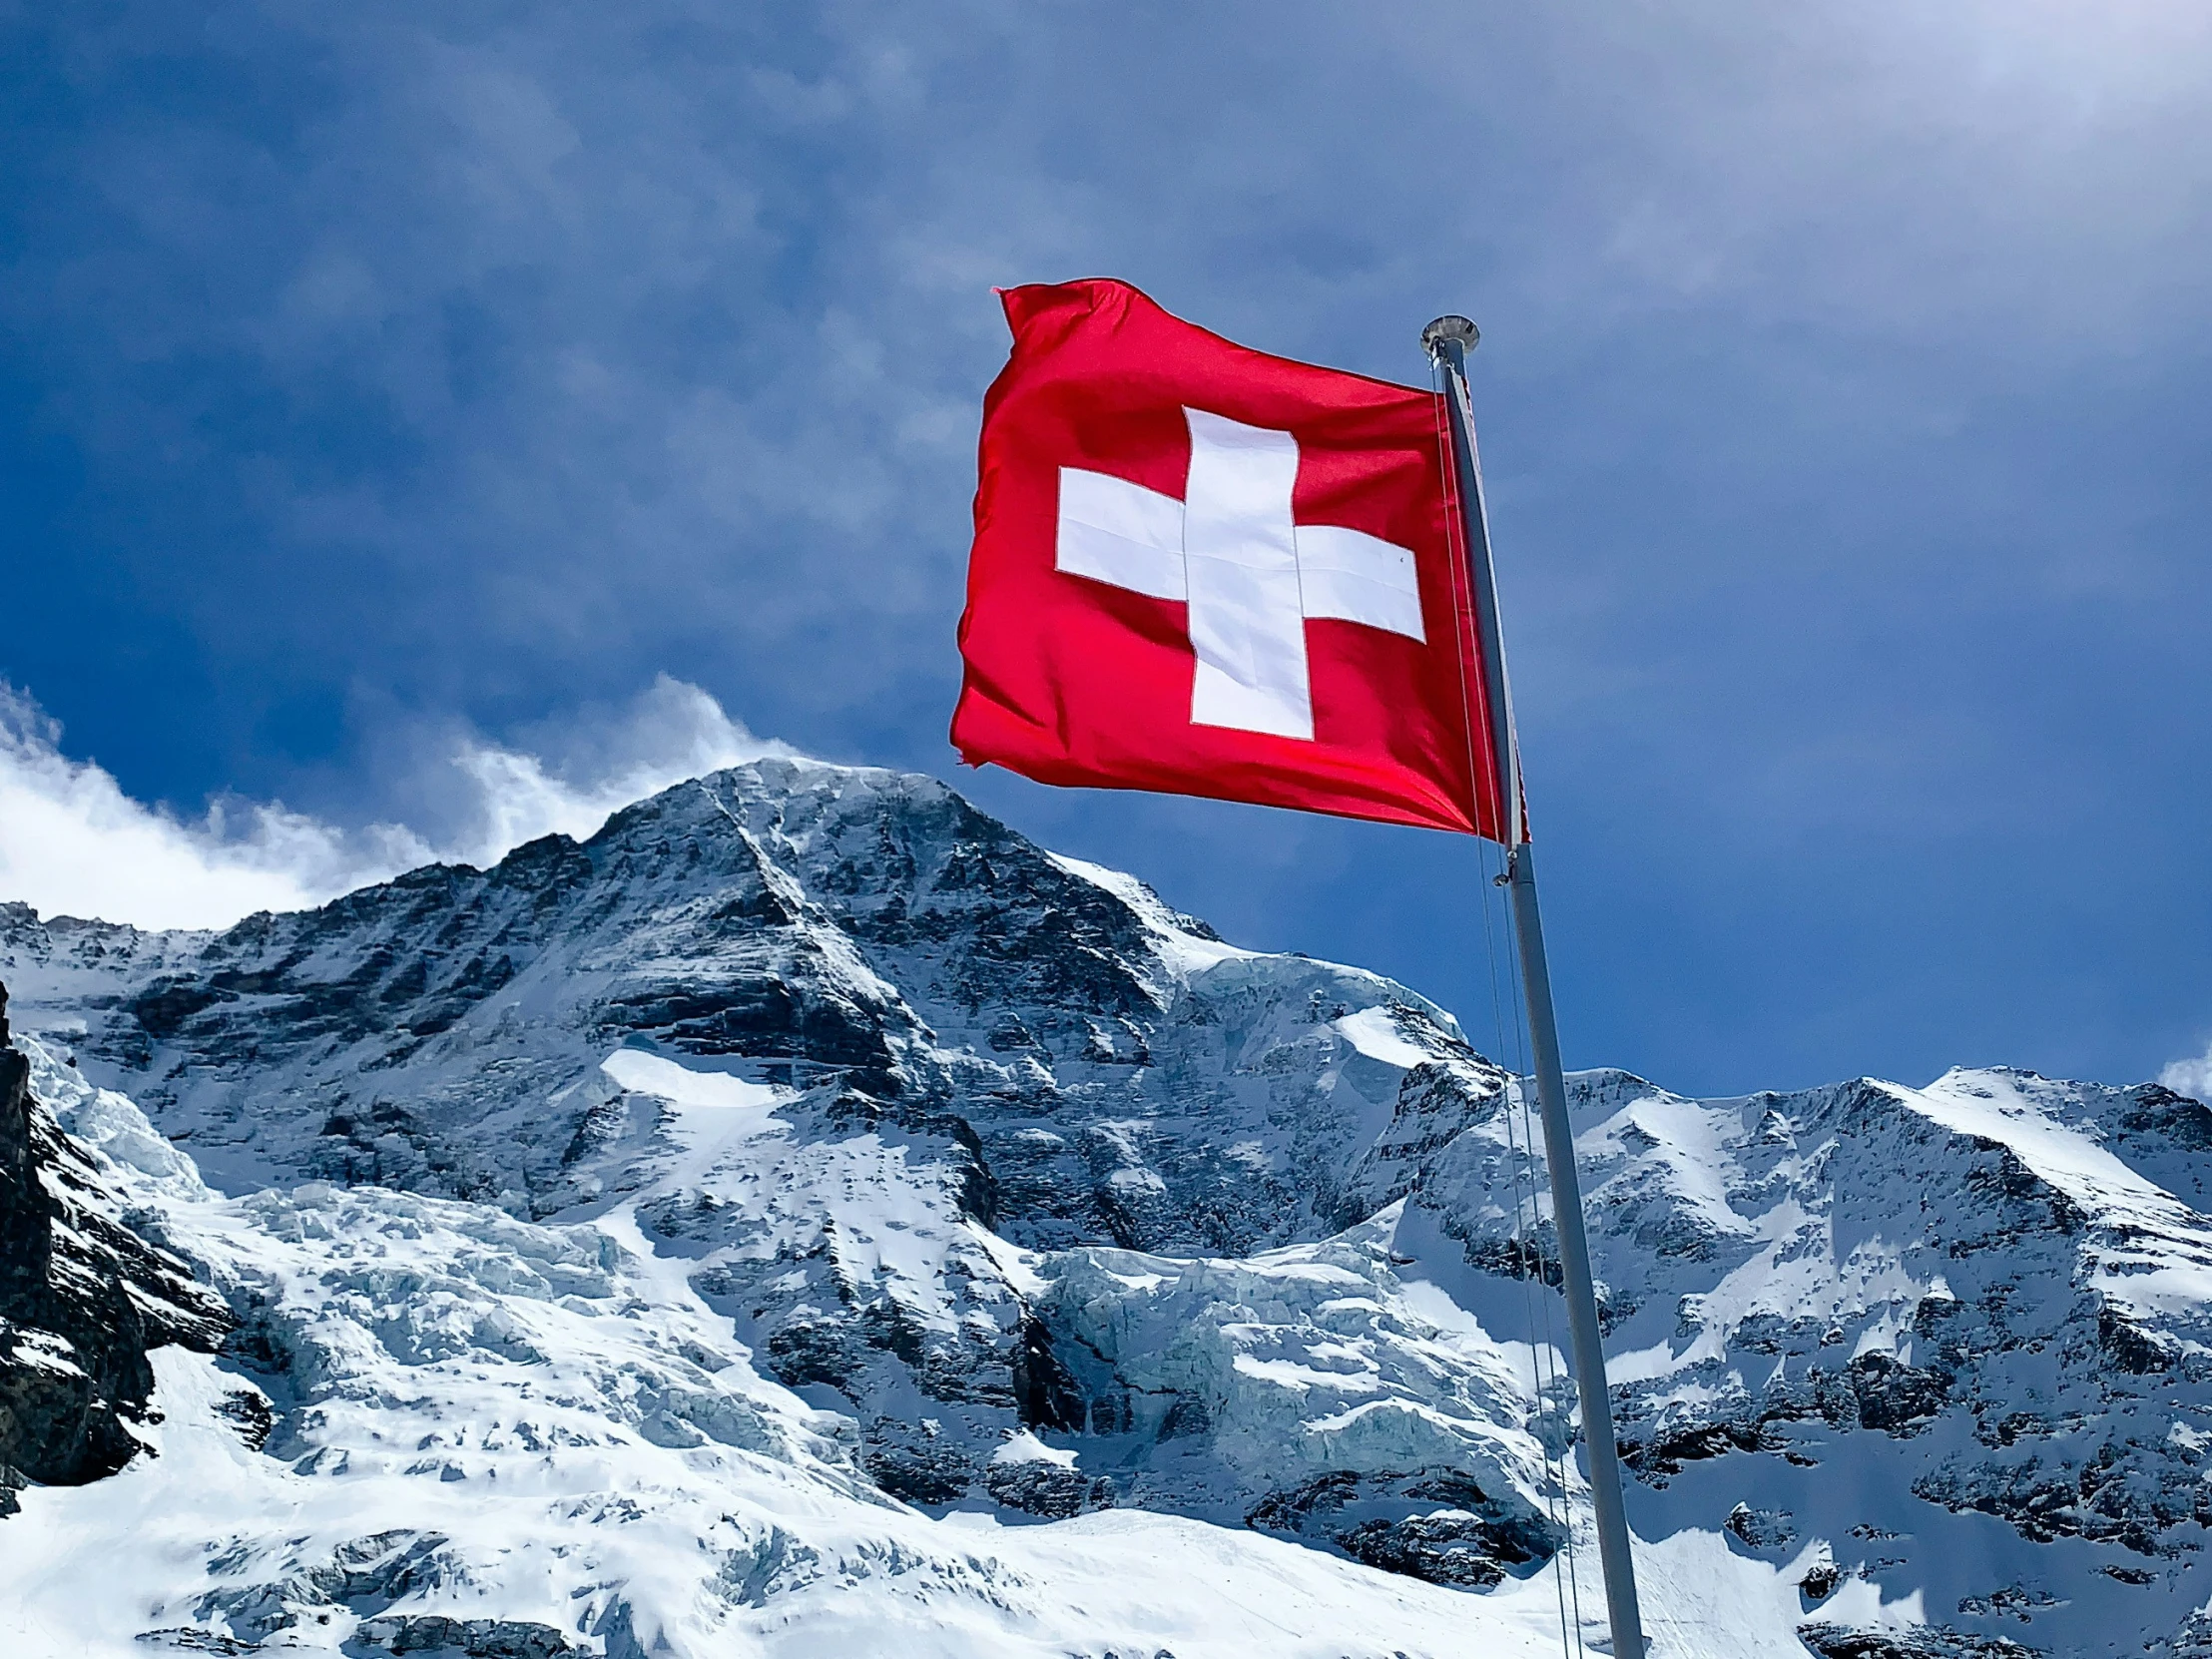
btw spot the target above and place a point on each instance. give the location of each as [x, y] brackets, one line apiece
[72, 843]
[2191, 1077]
[671, 732]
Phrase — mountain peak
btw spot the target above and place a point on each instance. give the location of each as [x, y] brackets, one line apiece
[810, 1113]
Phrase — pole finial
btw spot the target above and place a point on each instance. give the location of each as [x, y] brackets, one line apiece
[1450, 329]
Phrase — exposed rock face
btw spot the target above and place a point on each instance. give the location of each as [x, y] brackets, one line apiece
[436, 1635]
[1834, 1642]
[1396, 1523]
[1996, 1254]
[82, 1300]
[1845, 1310]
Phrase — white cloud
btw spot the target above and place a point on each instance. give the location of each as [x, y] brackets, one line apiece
[671, 732]
[72, 843]
[2191, 1077]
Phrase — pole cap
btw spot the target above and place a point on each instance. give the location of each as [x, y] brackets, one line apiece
[1434, 338]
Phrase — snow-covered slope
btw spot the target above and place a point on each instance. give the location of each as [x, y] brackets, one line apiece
[808, 1218]
[447, 1429]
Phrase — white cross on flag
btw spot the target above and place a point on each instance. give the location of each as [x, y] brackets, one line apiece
[1207, 571]
[1249, 574]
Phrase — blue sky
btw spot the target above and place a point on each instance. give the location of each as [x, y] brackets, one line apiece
[382, 378]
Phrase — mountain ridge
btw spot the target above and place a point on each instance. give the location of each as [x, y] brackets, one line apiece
[1066, 1208]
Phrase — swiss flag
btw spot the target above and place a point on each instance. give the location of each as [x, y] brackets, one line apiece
[1203, 570]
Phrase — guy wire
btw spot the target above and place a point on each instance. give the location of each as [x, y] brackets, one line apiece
[1521, 1165]
[1524, 1079]
[1542, 1340]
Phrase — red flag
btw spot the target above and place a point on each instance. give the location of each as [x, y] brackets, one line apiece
[1203, 570]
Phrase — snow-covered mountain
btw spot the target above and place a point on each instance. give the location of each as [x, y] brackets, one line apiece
[808, 1218]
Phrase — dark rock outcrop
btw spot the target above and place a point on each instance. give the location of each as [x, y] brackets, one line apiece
[433, 1636]
[1927, 1642]
[1438, 1526]
[82, 1300]
[364, 1576]
[1043, 1487]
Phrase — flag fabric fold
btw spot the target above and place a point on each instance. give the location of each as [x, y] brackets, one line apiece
[1202, 570]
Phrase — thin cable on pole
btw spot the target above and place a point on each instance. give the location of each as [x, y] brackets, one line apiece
[1524, 1066]
[1528, 1260]
[1543, 1348]
[1542, 1334]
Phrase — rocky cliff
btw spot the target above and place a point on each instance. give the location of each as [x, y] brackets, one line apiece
[83, 1298]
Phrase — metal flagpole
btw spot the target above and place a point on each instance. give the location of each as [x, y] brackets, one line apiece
[1447, 341]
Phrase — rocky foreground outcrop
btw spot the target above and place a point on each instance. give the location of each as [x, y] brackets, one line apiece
[83, 1298]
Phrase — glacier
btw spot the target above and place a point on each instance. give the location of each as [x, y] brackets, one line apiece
[805, 1217]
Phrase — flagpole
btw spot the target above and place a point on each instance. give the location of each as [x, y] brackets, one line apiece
[1447, 341]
